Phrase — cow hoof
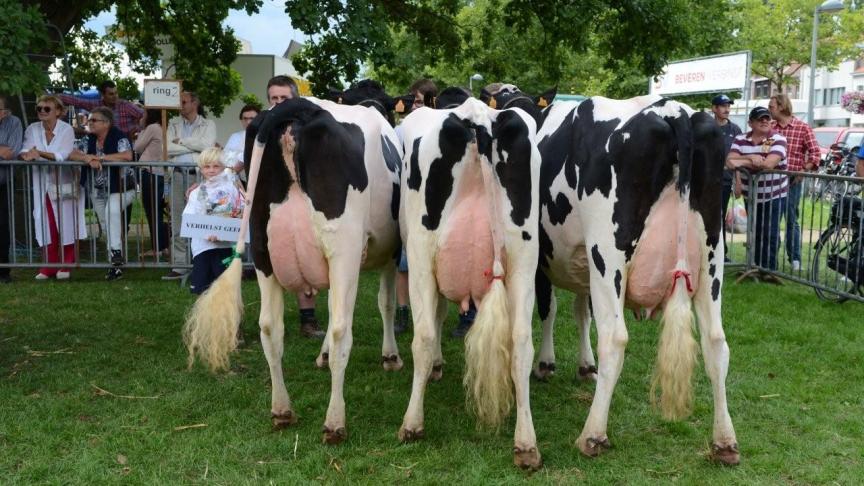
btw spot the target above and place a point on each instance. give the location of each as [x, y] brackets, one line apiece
[283, 420]
[437, 373]
[593, 447]
[406, 435]
[323, 361]
[587, 373]
[544, 370]
[333, 437]
[392, 362]
[726, 455]
[528, 459]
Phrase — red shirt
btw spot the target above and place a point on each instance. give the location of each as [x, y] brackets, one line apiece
[800, 142]
[126, 114]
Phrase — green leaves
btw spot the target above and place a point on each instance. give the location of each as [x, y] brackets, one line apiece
[22, 32]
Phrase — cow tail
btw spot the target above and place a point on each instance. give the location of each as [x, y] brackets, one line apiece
[488, 344]
[677, 349]
[211, 327]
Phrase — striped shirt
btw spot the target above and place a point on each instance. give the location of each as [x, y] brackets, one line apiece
[769, 186]
[11, 133]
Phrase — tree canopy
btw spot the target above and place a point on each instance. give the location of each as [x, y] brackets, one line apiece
[606, 47]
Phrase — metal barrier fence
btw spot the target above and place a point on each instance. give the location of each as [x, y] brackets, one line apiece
[812, 236]
[143, 223]
[128, 219]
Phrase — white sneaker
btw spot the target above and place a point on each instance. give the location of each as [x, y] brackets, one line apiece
[61, 275]
[42, 276]
[796, 265]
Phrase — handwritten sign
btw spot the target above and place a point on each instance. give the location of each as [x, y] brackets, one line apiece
[162, 93]
[202, 226]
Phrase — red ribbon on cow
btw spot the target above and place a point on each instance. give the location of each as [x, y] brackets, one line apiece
[488, 274]
[681, 273]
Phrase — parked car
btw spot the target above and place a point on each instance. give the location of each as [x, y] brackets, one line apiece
[828, 136]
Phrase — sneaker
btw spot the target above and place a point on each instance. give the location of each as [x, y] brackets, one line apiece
[116, 258]
[403, 320]
[63, 275]
[463, 327]
[114, 274]
[173, 275]
[41, 276]
[311, 329]
[796, 266]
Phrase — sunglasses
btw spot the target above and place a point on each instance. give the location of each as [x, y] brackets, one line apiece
[44, 109]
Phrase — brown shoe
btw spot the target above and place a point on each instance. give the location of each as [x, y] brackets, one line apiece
[311, 329]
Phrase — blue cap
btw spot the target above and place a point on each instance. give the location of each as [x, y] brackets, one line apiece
[759, 112]
[721, 99]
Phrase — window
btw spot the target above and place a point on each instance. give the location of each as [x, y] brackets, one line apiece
[833, 96]
[817, 97]
[762, 89]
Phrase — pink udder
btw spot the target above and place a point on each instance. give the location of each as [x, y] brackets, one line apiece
[463, 264]
[652, 269]
[298, 262]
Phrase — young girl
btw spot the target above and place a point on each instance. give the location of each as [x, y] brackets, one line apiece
[218, 195]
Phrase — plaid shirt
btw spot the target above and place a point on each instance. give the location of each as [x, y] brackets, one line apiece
[800, 142]
[126, 114]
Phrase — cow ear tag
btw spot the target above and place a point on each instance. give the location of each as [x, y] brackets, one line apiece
[492, 103]
[542, 102]
[400, 107]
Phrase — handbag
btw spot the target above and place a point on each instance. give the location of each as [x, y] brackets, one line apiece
[62, 191]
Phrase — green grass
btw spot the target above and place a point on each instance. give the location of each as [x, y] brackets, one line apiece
[794, 390]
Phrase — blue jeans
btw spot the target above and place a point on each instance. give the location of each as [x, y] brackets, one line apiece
[793, 229]
[767, 232]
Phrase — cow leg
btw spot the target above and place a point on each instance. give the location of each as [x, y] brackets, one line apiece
[547, 308]
[520, 294]
[342, 296]
[272, 336]
[608, 302]
[716, 354]
[386, 305]
[582, 313]
[425, 305]
[438, 358]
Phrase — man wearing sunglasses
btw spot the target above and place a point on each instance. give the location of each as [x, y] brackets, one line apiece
[761, 149]
[127, 115]
[11, 135]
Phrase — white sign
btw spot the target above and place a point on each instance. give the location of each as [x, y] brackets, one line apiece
[202, 226]
[162, 93]
[716, 74]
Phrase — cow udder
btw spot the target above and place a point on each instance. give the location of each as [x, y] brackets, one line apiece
[298, 262]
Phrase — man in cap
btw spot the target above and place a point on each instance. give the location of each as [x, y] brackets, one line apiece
[720, 107]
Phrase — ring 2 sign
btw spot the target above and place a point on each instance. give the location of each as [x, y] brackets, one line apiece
[162, 93]
[713, 74]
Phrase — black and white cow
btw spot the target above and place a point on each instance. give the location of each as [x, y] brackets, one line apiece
[469, 223]
[325, 181]
[630, 215]
[371, 94]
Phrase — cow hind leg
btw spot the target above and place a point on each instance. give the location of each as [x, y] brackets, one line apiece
[387, 306]
[425, 298]
[715, 352]
[272, 336]
[608, 303]
[526, 455]
[582, 314]
[342, 296]
[547, 307]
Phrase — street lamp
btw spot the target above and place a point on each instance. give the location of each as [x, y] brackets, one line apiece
[827, 6]
[474, 77]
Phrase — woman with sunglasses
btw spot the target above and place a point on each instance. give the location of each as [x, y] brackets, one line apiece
[111, 188]
[58, 209]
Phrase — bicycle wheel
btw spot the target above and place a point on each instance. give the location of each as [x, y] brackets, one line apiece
[833, 253]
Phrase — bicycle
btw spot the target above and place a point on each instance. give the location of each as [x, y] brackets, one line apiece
[843, 248]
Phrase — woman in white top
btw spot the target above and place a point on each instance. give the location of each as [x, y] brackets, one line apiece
[58, 202]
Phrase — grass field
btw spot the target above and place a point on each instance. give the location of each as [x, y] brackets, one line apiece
[94, 390]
